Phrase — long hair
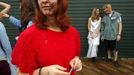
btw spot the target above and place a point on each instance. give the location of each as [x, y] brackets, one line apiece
[62, 20]
[27, 12]
[94, 16]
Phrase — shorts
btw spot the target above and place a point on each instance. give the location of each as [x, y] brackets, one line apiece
[110, 44]
[4, 68]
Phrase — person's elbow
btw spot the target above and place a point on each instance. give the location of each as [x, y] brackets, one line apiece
[8, 6]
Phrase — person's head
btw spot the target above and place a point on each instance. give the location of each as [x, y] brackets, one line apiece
[27, 11]
[107, 8]
[95, 14]
[56, 9]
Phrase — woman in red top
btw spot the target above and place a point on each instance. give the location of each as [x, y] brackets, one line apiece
[50, 46]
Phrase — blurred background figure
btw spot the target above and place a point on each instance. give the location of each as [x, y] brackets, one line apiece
[94, 24]
[6, 67]
[111, 32]
[27, 13]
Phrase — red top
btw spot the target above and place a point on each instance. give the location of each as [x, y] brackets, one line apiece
[37, 48]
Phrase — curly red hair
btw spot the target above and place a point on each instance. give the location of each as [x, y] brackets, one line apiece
[62, 19]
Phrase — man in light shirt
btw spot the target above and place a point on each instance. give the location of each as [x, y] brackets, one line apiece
[111, 32]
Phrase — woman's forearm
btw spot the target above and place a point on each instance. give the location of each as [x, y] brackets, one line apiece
[41, 71]
[89, 24]
[19, 73]
[15, 21]
[6, 7]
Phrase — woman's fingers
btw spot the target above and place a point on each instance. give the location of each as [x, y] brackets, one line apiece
[59, 72]
[78, 64]
[56, 70]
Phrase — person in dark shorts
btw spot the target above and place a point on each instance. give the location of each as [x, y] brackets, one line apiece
[111, 32]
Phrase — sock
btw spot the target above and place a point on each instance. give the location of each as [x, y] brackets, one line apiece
[109, 54]
[115, 55]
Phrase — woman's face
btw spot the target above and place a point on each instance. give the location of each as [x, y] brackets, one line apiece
[97, 12]
[48, 7]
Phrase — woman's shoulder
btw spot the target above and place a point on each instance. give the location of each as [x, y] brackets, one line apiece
[99, 19]
[89, 18]
[73, 30]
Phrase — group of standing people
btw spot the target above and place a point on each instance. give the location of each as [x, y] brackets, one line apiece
[49, 45]
[108, 29]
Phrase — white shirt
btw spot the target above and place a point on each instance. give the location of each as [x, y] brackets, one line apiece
[119, 20]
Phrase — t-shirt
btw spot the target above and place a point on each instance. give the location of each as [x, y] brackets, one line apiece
[109, 25]
[37, 48]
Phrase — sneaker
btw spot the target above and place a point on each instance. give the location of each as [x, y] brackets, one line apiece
[116, 64]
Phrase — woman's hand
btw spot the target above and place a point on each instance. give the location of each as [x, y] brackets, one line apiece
[3, 15]
[76, 63]
[54, 70]
[91, 34]
[95, 35]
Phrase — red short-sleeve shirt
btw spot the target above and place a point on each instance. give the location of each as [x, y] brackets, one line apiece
[37, 48]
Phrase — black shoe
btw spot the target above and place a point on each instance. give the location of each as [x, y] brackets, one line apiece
[94, 59]
[116, 64]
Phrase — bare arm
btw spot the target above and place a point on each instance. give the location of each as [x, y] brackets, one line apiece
[120, 28]
[89, 22]
[36, 72]
[51, 70]
[19, 73]
[6, 7]
[98, 28]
